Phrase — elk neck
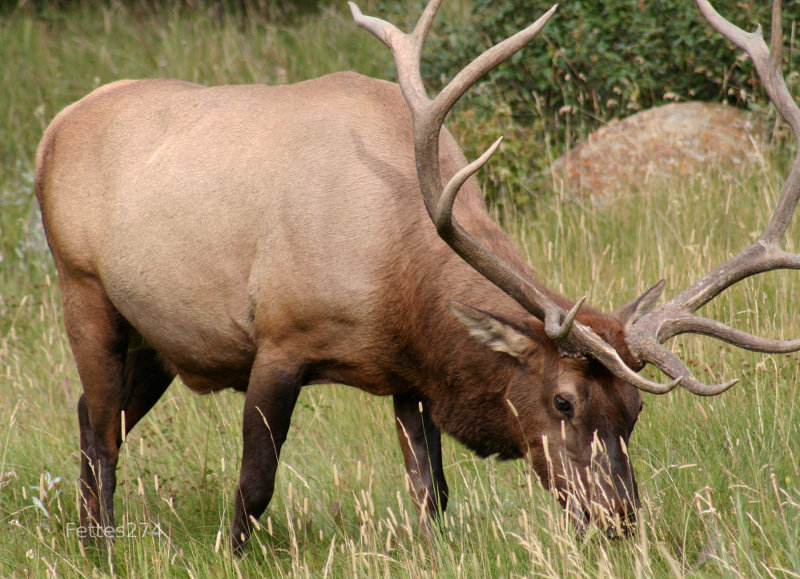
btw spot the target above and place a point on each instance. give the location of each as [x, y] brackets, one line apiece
[468, 386]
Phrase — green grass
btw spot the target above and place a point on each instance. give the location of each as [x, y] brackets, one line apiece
[720, 477]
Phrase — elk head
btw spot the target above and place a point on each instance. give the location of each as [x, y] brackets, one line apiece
[577, 439]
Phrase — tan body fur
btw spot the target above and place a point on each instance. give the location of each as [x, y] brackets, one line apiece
[261, 238]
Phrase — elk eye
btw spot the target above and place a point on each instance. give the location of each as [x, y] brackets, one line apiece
[563, 405]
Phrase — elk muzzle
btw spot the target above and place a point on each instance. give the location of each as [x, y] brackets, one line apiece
[601, 490]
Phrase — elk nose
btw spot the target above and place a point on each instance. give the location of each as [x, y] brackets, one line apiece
[622, 525]
[615, 510]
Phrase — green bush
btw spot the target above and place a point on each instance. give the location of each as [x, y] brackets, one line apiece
[593, 62]
[604, 60]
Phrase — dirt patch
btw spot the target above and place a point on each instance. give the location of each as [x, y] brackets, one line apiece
[674, 140]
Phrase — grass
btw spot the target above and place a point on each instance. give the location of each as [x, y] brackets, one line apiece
[720, 477]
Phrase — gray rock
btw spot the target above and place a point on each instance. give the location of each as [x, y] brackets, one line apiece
[674, 140]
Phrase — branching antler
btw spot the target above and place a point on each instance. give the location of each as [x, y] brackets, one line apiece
[647, 333]
[428, 116]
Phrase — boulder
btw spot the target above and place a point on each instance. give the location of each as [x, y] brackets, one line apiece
[674, 140]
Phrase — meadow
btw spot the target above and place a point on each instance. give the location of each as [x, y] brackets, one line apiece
[719, 477]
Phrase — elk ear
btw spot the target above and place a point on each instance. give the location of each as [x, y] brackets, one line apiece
[493, 333]
[642, 305]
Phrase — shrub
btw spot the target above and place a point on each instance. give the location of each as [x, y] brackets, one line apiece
[595, 61]
[609, 59]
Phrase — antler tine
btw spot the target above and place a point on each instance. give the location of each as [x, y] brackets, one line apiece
[500, 52]
[645, 335]
[406, 48]
[444, 208]
[428, 116]
[672, 365]
[738, 338]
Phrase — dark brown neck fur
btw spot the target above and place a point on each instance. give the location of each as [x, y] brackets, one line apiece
[468, 399]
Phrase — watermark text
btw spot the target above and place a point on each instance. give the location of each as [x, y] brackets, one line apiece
[131, 530]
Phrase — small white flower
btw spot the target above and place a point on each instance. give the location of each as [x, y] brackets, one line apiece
[29, 554]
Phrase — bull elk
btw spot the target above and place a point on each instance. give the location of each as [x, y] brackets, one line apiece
[265, 238]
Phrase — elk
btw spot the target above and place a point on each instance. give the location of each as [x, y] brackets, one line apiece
[266, 238]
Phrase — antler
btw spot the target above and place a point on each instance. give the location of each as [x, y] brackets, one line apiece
[428, 117]
[646, 335]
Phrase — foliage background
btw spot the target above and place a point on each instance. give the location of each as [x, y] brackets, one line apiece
[611, 59]
[600, 61]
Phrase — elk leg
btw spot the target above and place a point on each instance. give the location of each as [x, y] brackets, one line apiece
[98, 336]
[114, 380]
[269, 402]
[146, 381]
[421, 443]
